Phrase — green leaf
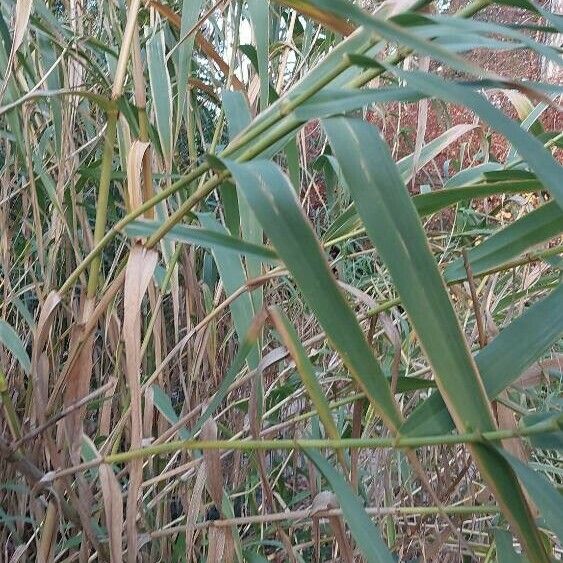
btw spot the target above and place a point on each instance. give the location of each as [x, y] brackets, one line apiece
[366, 534]
[487, 27]
[543, 493]
[10, 339]
[505, 548]
[206, 238]
[239, 116]
[432, 202]
[161, 90]
[390, 30]
[501, 362]
[540, 225]
[190, 13]
[306, 370]
[333, 101]
[392, 223]
[274, 202]
[236, 111]
[163, 403]
[259, 15]
[233, 276]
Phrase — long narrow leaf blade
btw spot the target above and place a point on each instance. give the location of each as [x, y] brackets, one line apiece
[364, 531]
[540, 225]
[501, 362]
[393, 225]
[273, 200]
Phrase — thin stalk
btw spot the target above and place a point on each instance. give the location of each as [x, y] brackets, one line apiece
[120, 225]
[307, 514]
[203, 191]
[103, 197]
[548, 426]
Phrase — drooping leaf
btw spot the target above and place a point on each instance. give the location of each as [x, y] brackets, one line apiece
[9, 338]
[393, 225]
[274, 203]
[367, 536]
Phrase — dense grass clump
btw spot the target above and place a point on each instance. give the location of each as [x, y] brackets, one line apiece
[280, 280]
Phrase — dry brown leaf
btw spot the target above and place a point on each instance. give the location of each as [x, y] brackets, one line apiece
[77, 386]
[194, 507]
[535, 374]
[104, 426]
[23, 11]
[212, 458]
[45, 550]
[113, 508]
[134, 173]
[216, 539]
[39, 361]
[139, 271]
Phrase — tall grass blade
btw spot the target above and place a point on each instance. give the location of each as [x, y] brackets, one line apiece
[365, 533]
[393, 225]
[501, 362]
[273, 200]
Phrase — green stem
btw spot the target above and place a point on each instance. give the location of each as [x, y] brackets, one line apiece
[103, 197]
[120, 225]
[548, 426]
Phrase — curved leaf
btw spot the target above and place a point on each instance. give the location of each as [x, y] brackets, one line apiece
[9, 338]
[393, 225]
[273, 200]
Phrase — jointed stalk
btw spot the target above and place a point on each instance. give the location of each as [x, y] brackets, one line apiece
[102, 201]
[551, 425]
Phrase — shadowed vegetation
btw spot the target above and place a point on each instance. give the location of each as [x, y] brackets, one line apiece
[280, 281]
